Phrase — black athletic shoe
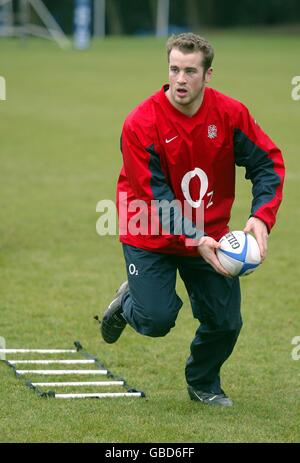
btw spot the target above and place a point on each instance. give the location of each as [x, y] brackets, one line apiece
[209, 398]
[113, 323]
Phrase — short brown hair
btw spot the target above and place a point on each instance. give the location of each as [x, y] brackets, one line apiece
[188, 42]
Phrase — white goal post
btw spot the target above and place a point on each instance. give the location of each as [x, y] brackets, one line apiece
[50, 29]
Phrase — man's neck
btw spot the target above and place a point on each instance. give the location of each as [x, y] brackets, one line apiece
[190, 109]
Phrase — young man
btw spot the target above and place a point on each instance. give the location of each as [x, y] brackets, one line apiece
[182, 145]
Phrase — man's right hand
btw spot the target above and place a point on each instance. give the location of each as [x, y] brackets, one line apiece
[207, 247]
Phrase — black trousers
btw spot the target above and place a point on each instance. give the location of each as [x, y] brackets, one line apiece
[152, 306]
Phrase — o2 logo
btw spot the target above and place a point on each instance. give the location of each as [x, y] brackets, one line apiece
[2, 88]
[185, 186]
[133, 270]
[296, 90]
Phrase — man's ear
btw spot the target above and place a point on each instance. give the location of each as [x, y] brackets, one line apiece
[208, 75]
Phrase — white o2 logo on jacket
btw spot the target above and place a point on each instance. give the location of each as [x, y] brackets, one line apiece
[185, 186]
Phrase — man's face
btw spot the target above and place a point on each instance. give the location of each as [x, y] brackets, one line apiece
[187, 80]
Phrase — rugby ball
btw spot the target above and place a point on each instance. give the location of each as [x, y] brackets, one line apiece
[239, 253]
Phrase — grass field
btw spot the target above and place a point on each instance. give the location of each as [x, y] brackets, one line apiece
[59, 132]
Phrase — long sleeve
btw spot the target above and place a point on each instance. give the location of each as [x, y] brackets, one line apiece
[264, 165]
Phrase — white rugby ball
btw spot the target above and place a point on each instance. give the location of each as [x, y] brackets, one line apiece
[239, 253]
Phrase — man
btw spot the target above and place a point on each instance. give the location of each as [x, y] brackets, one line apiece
[182, 145]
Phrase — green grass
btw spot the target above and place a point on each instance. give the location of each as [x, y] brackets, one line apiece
[59, 132]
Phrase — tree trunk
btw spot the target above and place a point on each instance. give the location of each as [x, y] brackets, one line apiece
[113, 18]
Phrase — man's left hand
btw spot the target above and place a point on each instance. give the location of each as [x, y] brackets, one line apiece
[260, 231]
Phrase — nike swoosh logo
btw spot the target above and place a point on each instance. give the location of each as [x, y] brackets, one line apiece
[212, 398]
[171, 139]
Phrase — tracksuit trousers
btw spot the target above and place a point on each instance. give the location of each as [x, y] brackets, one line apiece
[152, 305]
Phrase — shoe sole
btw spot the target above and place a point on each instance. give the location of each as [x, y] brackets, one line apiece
[106, 327]
[226, 402]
